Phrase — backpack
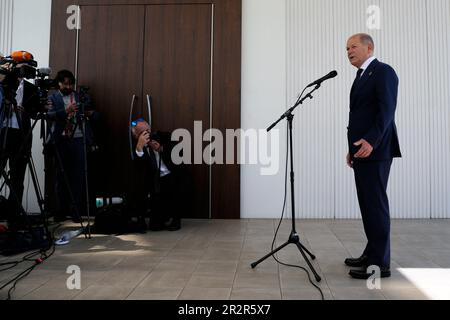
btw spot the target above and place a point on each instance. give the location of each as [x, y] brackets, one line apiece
[111, 219]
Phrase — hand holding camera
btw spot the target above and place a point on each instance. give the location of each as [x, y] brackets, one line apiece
[144, 140]
[155, 145]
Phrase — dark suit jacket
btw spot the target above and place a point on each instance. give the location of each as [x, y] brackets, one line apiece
[373, 101]
[58, 116]
[30, 103]
[146, 167]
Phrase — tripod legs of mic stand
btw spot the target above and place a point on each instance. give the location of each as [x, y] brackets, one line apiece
[293, 239]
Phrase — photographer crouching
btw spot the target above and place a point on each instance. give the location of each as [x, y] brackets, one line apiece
[157, 175]
[66, 138]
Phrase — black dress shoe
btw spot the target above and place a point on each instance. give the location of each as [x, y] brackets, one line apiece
[364, 274]
[360, 262]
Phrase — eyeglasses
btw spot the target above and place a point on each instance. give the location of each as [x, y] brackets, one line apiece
[135, 122]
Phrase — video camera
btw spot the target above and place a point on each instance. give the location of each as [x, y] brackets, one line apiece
[17, 66]
[44, 84]
[21, 65]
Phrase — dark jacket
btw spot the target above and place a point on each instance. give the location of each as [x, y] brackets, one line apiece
[31, 104]
[58, 117]
[373, 101]
[147, 167]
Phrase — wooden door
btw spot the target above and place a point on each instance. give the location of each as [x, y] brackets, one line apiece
[113, 32]
[177, 75]
[110, 62]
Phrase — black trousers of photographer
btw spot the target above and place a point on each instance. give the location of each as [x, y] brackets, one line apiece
[16, 154]
[70, 178]
[165, 200]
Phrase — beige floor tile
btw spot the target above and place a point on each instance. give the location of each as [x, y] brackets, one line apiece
[122, 278]
[345, 293]
[149, 293]
[213, 254]
[247, 280]
[168, 279]
[306, 294]
[51, 292]
[96, 292]
[404, 294]
[216, 266]
[255, 294]
[176, 266]
[211, 280]
[193, 293]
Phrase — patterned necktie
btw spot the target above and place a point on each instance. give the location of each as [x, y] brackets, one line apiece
[71, 122]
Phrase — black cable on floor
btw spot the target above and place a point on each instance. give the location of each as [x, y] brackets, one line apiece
[281, 220]
[44, 256]
[26, 257]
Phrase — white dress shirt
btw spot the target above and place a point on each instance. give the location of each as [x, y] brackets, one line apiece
[366, 64]
[163, 171]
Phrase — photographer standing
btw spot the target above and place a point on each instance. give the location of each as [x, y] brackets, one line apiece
[66, 137]
[16, 136]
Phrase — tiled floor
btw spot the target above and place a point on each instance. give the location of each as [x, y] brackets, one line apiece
[210, 259]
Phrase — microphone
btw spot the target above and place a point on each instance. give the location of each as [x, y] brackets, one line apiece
[45, 72]
[332, 74]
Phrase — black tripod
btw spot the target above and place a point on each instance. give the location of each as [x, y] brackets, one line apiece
[81, 122]
[293, 237]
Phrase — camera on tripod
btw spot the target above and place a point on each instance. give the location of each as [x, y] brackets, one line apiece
[83, 97]
[44, 84]
[21, 65]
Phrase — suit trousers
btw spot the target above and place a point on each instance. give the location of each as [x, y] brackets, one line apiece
[70, 178]
[166, 203]
[371, 179]
[17, 153]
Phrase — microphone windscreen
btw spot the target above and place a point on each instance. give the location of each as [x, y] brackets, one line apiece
[21, 56]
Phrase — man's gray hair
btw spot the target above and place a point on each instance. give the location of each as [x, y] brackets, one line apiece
[366, 39]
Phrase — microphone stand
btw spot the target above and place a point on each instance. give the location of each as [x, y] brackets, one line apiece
[293, 237]
[83, 129]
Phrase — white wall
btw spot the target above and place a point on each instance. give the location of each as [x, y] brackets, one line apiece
[263, 98]
[35, 38]
[413, 38]
[6, 24]
[29, 31]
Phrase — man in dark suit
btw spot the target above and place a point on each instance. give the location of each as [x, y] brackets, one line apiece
[16, 138]
[157, 175]
[373, 143]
